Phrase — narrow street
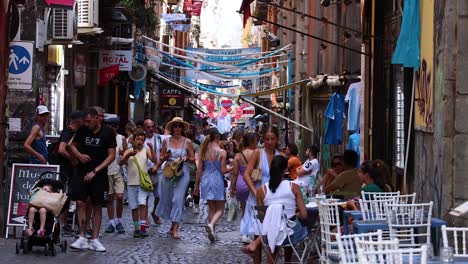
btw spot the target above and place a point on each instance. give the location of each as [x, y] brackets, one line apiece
[193, 247]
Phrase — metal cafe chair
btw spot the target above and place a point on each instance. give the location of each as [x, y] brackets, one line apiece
[347, 247]
[459, 238]
[300, 254]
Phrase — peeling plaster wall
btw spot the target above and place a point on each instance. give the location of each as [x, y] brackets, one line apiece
[441, 157]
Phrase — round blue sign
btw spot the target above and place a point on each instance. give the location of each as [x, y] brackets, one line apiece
[19, 59]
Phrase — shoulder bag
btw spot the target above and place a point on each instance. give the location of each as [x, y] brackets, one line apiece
[257, 172]
[51, 201]
[145, 180]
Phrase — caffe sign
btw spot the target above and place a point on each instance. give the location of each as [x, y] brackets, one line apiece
[171, 98]
[123, 58]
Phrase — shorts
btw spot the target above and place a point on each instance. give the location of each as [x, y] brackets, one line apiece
[96, 189]
[156, 185]
[136, 196]
[116, 183]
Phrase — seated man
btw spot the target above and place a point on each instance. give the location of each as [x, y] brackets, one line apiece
[347, 182]
[330, 175]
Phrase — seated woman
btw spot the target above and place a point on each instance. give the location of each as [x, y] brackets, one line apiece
[370, 175]
[280, 191]
[42, 215]
[330, 175]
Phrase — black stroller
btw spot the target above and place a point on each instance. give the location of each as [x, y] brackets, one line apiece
[52, 236]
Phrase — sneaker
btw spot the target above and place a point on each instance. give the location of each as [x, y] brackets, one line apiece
[110, 229]
[196, 210]
[125, 202]
[210, 232]
[136, 234]
[95, 245]
[89, 234]
[80, 243]
[143, 233]
[120, 228]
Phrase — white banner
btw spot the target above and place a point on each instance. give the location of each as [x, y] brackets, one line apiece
[20, 61]
[123, 58]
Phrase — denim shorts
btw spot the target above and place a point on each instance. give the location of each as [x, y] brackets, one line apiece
[300, 233]
[136, 196]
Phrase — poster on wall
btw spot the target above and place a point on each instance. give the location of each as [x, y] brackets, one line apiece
[424, 93]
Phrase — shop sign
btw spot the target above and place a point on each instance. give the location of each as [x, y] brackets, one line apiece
[248, 112]
[106, 74]
[171, 98]
[20, 61]
[23, 177]
[123, 58]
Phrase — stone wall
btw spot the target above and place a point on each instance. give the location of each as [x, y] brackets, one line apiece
[441, 173]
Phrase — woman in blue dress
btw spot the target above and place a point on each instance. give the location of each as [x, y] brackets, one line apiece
[261, 156]
[171, 204]
[210, 179]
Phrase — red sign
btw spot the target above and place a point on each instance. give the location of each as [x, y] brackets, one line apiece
[248, 111]
[106, 74]
[66, 4]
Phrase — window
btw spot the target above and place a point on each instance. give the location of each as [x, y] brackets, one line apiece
[399, 116]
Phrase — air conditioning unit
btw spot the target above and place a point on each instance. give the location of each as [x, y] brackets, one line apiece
[88, 13]
[62, 24]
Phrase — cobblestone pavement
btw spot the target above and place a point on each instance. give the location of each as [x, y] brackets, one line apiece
[193, 247]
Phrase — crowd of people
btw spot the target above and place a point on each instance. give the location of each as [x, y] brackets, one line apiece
[182, 160]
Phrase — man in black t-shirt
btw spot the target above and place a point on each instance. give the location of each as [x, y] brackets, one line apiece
[94, 146]
[67, 160]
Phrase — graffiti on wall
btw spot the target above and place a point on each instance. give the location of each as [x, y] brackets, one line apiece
[424, 94]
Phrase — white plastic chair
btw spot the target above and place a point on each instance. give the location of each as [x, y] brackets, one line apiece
[459, 237]
[301, 255]
[329, 227]
[387, 251]
[375, 209]
[371, 195]
[347, 247]
[403, 219]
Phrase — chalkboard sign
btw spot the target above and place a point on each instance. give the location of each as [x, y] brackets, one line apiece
[23, 177]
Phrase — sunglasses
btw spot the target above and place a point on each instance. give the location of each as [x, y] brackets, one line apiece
[178, 125]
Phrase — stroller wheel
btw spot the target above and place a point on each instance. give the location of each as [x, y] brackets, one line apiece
[64, 245]
[17, 247]
[46, 249]
[22, 243]
[27, 247]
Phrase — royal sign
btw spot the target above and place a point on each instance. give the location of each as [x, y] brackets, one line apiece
[123, 58]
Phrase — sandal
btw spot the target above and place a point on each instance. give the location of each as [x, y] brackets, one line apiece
[156, 219]
[41, 233]
[28, 232]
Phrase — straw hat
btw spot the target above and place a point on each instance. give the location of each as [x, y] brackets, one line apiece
[177, 120]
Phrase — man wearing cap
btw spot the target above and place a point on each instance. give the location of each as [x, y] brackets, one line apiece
[36, 144]
[67, 160]
[116, 181]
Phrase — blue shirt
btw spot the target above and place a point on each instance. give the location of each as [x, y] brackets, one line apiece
[335, 117]
[354, 106]
[354, 143]
[39, 145]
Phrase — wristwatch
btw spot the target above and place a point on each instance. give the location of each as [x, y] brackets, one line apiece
[94, 171]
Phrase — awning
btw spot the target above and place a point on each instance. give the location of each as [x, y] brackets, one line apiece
[65, 4]
[407, 50]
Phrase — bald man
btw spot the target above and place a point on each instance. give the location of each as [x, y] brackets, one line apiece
[155, 170]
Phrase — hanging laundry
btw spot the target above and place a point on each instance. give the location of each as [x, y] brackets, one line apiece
[335, 116]
[354, 105]
[354, 143]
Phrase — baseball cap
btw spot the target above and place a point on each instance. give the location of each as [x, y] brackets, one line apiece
[42, 109]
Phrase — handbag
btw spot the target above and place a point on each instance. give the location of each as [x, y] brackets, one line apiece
[51, 201]
[145, 180]
[173, 168]
[257, 173]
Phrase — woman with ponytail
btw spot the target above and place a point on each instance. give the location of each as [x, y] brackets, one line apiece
[281, 191]
[210, 179]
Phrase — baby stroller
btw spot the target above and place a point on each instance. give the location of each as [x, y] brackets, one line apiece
[52, 236]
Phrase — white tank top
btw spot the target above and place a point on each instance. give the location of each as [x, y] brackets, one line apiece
[283, 195]
[133, 176]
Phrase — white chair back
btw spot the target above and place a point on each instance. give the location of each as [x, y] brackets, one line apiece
[387, 252]
[403, 219]
[459, 238]
[329, 227]
[347, 247]
[375, 209]
[371, 195]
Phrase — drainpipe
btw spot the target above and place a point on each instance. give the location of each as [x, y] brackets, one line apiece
[4, 43]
